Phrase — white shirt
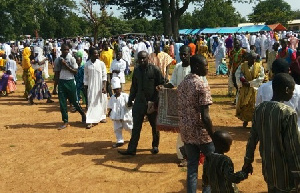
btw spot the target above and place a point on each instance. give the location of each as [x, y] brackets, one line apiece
[119, 110]
[118, 65]
[265, 93]
[12, 66]
[126, 54]
[141, 46]
[179, 73]
[252, 39]
[65, 74]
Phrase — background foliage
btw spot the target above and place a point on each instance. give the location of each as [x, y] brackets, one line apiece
[64, 18]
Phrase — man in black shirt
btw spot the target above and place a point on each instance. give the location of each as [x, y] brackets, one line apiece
[145, 96]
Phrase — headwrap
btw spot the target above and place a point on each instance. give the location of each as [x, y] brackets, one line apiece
[79, 54]
[26, 58]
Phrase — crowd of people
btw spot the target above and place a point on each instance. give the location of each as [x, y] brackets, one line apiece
[263, 69]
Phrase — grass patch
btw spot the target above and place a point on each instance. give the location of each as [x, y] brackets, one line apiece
[12, 145]
[222, 98]
[183, 169]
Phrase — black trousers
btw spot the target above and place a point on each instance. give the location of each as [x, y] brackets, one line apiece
[108, 84]
[139, 110]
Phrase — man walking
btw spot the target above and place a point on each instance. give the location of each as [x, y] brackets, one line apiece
[195, 124]
[146, 77]
[65, 67]
[275, 127]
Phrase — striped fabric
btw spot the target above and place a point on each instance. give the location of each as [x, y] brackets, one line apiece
[218, 173]
[275, 127]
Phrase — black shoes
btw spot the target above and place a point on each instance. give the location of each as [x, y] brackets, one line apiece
[154, 150]
[126, 153]
[117, 145]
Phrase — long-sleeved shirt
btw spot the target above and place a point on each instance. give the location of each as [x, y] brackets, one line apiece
[275, 127]
[144, 82]
[218, 172]
[265, 93]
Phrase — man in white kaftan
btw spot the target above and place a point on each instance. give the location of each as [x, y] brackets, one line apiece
[95, 78]
[126, 53]
[263, 45]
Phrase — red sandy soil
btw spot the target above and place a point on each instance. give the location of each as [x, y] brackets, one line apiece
[36, 157]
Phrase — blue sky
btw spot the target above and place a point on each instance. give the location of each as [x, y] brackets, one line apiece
[243, 8]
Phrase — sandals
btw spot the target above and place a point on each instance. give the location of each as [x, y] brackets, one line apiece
[89, 126]
[103, 121]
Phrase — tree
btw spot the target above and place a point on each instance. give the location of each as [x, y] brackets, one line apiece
[217, 13]
[46, 18]
[92, 16]
[296, 14]
[58, 18]
[169, 10]
[271, 11]
[187, 21]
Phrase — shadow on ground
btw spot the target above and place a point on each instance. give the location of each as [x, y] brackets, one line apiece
[54, 125]
[113, 159]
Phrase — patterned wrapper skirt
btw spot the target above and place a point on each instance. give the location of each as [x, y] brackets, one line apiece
[40, 90]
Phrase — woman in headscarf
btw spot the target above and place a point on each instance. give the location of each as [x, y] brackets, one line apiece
[28, 71]
[229, 44]
[219, 54]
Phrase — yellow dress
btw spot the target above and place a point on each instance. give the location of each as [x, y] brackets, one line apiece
[28, 71]
[107, 58]
[247, 95]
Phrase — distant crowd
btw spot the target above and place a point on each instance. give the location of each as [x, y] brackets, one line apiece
[263, 68]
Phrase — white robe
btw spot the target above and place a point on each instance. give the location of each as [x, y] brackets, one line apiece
[126, 54]
[12, 66]
[263, 46]
[94, 74]
[220, 53]
[121, 66]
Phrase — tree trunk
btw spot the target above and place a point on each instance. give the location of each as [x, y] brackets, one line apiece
[166, 18]
[175, 27]
[173, 19]
[176, 13]
[95, 33]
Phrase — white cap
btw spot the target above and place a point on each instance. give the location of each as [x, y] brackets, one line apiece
[115, 83]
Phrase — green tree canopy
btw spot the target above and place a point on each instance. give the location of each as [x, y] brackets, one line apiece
[296, 14]
[169, 11]
[47, 18]
[271, 11]
[215, 13]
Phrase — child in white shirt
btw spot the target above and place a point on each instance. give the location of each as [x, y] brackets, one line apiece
[118, 67]
[119, 113]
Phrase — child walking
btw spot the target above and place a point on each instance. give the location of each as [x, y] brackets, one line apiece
[218, 169]
[119, 113]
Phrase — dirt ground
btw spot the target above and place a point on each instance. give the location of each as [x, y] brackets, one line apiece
[36, 157]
